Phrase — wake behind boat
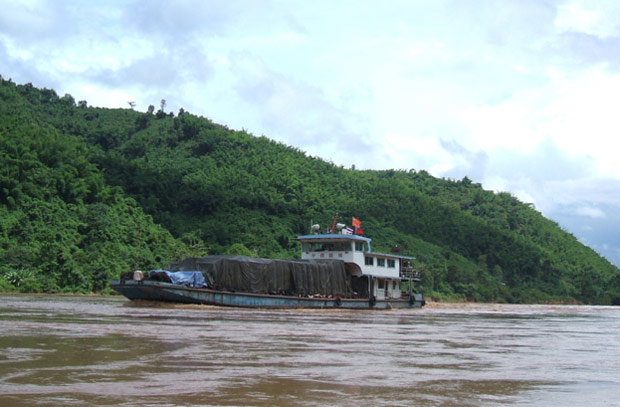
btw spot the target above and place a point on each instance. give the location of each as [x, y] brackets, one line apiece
[337, 269]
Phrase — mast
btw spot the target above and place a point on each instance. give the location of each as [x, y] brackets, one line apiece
[334, 223]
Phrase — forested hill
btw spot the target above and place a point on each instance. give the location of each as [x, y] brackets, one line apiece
[86, 193]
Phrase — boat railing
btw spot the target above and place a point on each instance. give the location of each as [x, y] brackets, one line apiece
[410, 272]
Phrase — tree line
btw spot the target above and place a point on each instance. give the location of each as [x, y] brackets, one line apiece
[87, 192]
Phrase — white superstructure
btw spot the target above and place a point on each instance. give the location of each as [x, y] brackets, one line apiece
[381, 272]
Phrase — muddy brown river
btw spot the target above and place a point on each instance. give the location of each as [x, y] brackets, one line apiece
[94, 351]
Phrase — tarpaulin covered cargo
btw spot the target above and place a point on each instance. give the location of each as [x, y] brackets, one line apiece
[270, 276]
[187, 278]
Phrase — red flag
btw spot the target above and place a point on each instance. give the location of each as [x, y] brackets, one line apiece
[357, 223]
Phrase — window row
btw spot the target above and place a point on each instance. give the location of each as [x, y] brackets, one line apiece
[332, 247]
[370, 261]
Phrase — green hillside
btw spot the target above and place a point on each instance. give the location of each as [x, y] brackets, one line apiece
[86, 193]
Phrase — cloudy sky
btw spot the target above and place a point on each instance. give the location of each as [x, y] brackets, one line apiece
[520, 96]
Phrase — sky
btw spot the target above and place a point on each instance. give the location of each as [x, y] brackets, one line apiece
[519, 96]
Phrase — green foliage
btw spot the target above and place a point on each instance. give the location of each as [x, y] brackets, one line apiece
[60, 224]
[88, 192]
[239, 249]
[5, 286]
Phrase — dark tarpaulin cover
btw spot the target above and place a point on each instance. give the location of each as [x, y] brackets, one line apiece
[270, 276]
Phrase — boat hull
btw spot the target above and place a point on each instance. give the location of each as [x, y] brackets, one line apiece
[161, 291]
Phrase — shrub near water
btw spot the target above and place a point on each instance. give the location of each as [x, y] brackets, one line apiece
[5, 286]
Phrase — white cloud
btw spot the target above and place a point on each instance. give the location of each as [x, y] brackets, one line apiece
[590, 212]
[576, 111]
[31, 19]
[598, 18]
[512, 124]
[116, 98]
[582, 117]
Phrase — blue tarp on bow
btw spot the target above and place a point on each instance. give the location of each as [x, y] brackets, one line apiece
[187, 278]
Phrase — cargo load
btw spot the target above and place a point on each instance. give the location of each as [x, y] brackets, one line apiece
[270, 276]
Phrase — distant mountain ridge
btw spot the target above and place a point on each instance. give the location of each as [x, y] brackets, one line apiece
[86, 193]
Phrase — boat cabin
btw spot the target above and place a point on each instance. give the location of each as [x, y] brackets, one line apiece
[373, 274]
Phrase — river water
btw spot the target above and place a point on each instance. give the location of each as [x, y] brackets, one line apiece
[93, 351]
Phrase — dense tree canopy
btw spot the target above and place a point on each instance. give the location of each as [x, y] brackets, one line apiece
[88, 192]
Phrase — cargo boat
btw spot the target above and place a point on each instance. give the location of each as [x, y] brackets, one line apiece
[338, 269]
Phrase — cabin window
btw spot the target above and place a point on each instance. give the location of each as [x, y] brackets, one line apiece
[332, 247]
[391, 264]
[394, 285]
[381, 262]
[369, 261]
[381, 284]
[359, 246]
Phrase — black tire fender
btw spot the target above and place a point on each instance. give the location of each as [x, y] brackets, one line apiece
[372, 301]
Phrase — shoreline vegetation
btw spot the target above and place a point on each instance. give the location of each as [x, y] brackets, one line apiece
[88, 193]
